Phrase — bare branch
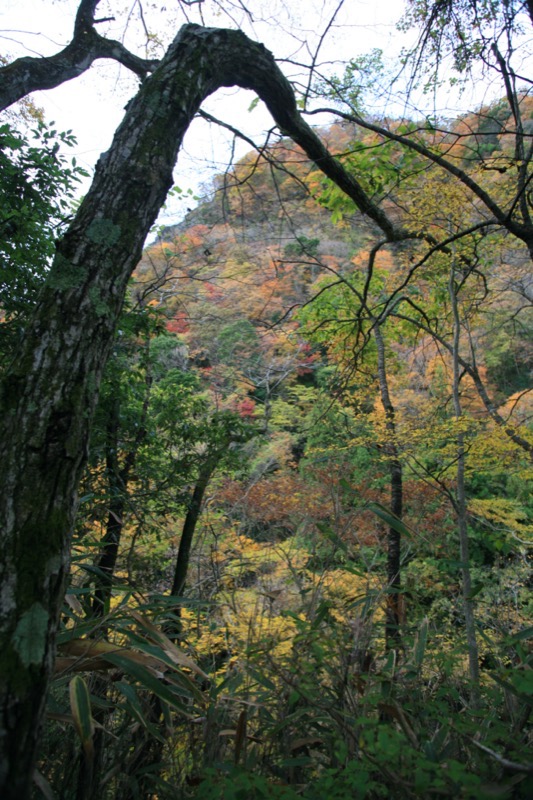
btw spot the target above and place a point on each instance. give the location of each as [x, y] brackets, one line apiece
[504, 762]
[29, 74]
[521, 231]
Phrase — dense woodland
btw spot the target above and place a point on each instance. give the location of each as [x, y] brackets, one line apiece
[299, 563]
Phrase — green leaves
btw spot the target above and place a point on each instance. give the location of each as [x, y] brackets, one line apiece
[80, 705]
[149, 681]
[37, 186]
[356, 86]
[391, 519]
[152, 667]
[420, 644]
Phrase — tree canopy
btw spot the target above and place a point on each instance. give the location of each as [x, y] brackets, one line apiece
[434, 264]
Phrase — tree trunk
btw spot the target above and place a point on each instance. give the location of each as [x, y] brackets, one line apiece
[148, 752]
[48, 395]
[118, 479]
[189, 525]
[393, 616]
[460, 499]
[117, 487]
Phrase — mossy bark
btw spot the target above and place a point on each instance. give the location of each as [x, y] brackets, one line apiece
[48, 395]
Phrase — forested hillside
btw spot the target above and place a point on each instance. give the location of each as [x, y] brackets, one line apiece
[291, 559]
[282, 456]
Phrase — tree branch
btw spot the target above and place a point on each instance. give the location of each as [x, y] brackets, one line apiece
[523, 232]
[29, 74]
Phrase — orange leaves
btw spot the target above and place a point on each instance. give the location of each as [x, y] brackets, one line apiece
[179, 323]
[283, 500]
[246, 408]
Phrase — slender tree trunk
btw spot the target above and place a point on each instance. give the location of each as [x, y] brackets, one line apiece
[189, 525]
[89, 778]
[393, 615]
[118, 477]
[460, 498]
[148, 752]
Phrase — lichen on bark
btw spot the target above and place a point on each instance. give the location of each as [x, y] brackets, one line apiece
[29, 637]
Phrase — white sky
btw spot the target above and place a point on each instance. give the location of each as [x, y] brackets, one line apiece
[93, 104]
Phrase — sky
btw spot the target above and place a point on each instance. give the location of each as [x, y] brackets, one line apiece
[93, 104]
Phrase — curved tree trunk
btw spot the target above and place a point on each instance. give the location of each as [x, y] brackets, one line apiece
[48, 395]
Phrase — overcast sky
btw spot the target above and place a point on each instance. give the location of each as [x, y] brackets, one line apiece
[93, 105]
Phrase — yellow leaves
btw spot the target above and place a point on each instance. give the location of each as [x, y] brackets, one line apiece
[491, 450]
[206, 639]
[507, 513]
[384, 260]
[251, 624]
[344, 588]
[265, 594]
